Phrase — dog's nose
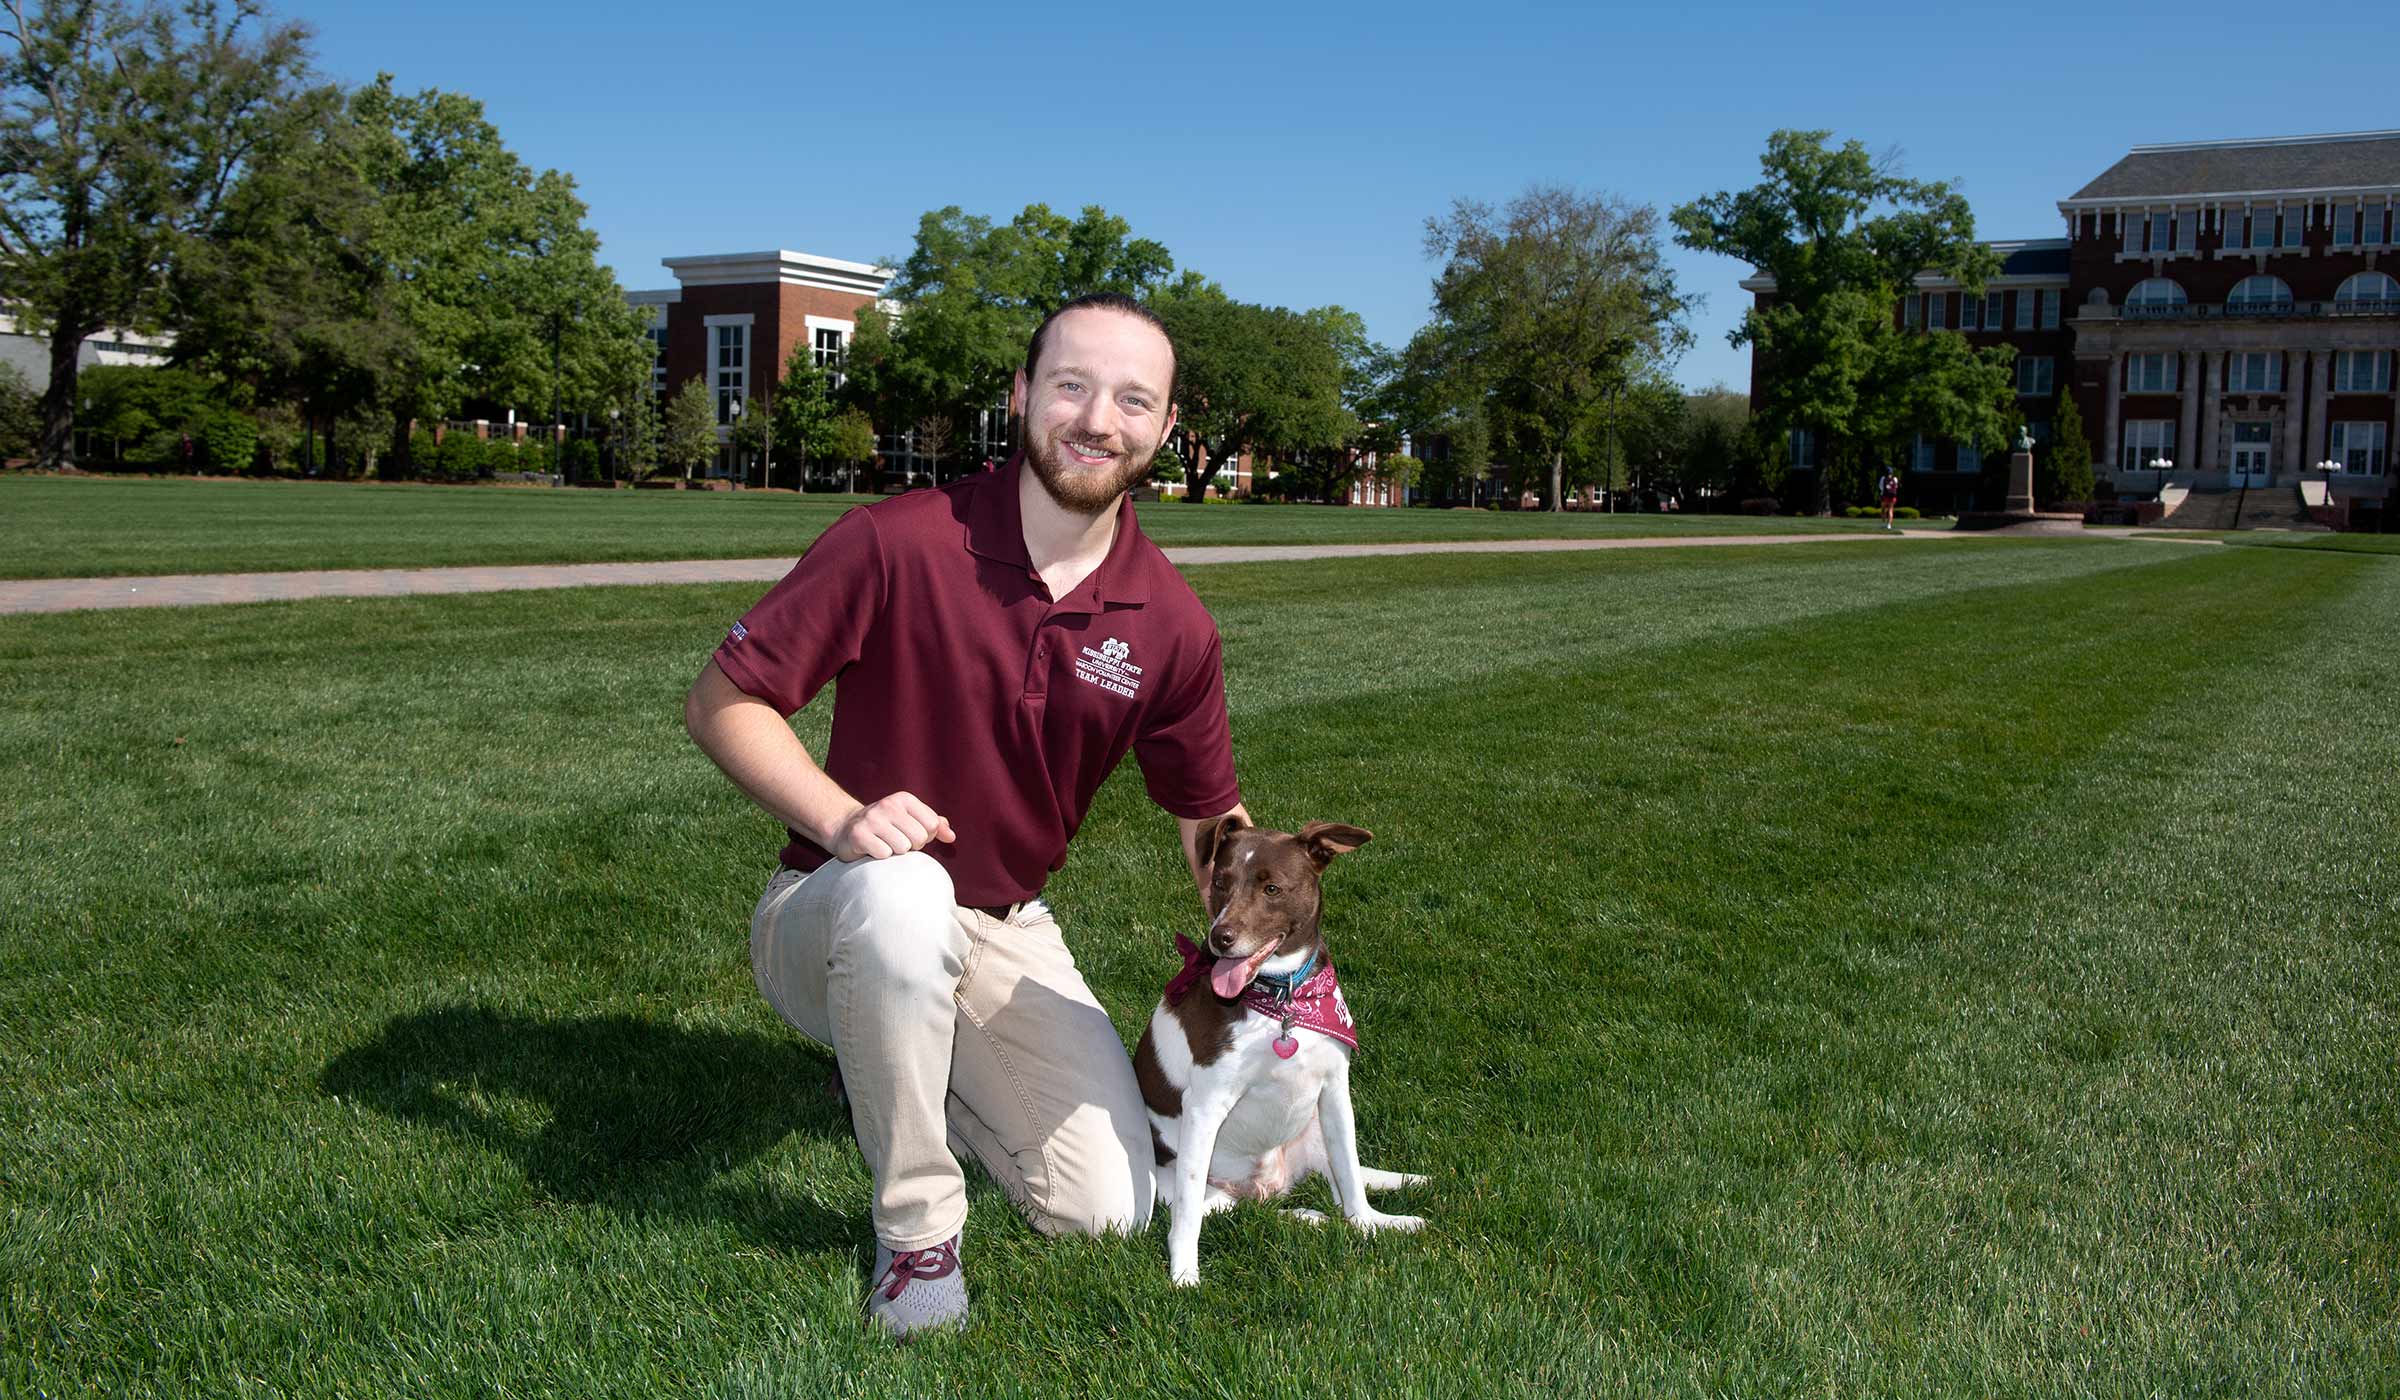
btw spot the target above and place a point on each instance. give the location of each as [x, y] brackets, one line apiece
[1220, 942]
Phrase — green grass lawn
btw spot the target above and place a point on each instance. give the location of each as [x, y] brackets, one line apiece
[1812, 972]
[54, 527]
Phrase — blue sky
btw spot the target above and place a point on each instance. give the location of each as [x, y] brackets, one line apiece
[1293, 152]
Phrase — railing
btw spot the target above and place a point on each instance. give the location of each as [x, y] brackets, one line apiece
[2247, 310]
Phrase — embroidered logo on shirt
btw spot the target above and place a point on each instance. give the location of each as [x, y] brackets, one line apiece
[738, 633]
[1107, 667]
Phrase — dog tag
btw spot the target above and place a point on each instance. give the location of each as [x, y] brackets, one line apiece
[1286, 1047]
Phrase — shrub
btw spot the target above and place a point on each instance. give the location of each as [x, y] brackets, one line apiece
[583, 460]
[229, 441]
[459, 457]
[20, 413]
[1904, 513]
[1761, 505]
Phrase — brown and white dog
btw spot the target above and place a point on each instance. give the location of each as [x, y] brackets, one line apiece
[1245, 1066]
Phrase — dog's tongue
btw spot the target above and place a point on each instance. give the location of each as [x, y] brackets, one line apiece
[1232, 974]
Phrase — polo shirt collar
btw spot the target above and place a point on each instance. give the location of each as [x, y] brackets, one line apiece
[996, 531]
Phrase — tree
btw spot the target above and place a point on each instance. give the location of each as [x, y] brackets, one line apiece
[851, 441]
[1544, 307]
[1259, 378]
[1401, 472]
[490, 265]
[1844, 236]
[283, 292]
[634, 432]
[2064, 466]
[802, 407]
[147, 414]
[20, 414]
[121, 129]
[690, 439]
[1717, 458]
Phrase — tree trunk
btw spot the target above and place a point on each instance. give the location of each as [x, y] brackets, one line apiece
[56, 449]
[1558, 480]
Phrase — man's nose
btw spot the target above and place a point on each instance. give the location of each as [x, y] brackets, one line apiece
[1100, 417]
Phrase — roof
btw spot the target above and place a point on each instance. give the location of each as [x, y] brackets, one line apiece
[2265, 165]
[2026, 260]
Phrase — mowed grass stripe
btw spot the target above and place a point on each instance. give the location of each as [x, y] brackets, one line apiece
[57, 528]
[1647, 952]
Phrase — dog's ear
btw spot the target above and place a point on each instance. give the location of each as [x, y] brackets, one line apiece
[1213, 835]
[1325, 840]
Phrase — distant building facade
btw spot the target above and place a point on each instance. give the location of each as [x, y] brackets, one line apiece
[2228, 307]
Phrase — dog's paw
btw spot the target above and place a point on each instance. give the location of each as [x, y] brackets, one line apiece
[1376, 1221]
[1313, 1217]
[1185, 1275]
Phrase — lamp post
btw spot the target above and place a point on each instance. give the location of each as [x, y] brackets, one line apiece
[557, 429]
[2330, 467]
[2162, 466]
[733, 421]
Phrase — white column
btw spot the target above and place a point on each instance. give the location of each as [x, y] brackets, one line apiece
[2320, 398]
[2187, 427]
[2204, 457]
[2115, 441]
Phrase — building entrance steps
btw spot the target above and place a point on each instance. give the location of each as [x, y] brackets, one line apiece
[2204, 510]
[2277, 508]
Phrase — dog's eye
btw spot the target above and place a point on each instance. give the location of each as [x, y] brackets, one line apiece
[1273, 890]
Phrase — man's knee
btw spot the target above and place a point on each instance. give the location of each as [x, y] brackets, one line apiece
[898, 918]
[1103, 1186]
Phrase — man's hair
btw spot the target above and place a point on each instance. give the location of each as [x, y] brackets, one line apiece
[1118, 302]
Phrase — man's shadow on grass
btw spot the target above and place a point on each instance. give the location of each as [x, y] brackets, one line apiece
[614, 1111]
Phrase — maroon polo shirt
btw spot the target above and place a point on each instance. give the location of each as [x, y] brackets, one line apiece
[964, 682]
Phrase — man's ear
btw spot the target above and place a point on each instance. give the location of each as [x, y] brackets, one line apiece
[1213, 835]
[1325, 840]
[1016, 394]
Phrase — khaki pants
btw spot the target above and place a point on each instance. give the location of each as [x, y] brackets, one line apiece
[956, 1030]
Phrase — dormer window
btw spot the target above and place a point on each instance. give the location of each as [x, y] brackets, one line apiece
[2259, 296]
[2368, 293]
[2156, 296]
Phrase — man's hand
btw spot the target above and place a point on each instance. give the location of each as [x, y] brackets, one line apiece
[886, 827]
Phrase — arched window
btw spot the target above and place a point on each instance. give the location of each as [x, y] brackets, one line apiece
[2158, 296]
[2368, 291]
[2257, 295]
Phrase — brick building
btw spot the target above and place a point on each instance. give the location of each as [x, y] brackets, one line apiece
[2217, 305]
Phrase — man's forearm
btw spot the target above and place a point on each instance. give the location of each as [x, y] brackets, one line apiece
[754, 747]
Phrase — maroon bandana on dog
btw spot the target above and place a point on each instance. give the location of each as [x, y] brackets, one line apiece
[1316, 1003]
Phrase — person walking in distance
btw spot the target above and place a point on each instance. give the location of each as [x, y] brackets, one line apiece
[1001, 642]
[1889, 489]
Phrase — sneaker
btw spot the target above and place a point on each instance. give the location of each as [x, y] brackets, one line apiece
[914, 1290]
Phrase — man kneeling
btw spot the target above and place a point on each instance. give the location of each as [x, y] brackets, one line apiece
[1000, 644]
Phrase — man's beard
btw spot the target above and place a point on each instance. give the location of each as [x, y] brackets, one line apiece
[1085, 490]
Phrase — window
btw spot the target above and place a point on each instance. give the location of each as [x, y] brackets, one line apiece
[2156, 296]
[2373, 292]
[1970, 312]
[732, 377]
[2345, 223]
[2150, 374]
[2146, 441]
[1921, 454]
[1937, 310]
[2162, 232]
[2049, 298]
[2258, 296]
[2034, 373]
[1913, 310]
[2024, 310]
[658, 361]
[2360, 447]
[2291, 226]
[2131, 227]
[1967, 456]
[2187, 231]
[2254, 373]
[2362, 371]
[1804, 449]
[1995, 310]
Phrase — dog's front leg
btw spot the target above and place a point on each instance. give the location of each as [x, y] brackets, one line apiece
[1339, 1124]
[1203, 1115]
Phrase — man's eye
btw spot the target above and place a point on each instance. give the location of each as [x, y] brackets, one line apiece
[1141, 404]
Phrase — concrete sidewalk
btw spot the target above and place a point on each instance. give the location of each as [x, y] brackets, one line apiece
[191, 590]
